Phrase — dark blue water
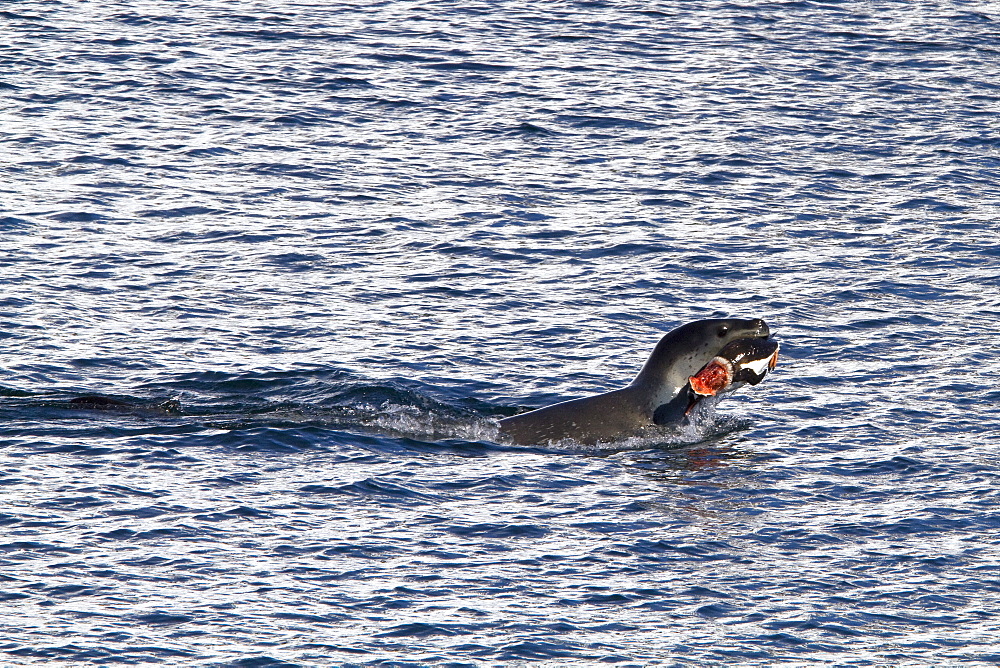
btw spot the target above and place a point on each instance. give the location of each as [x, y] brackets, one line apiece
[347, 238]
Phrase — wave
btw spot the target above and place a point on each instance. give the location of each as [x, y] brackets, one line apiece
[328, 400]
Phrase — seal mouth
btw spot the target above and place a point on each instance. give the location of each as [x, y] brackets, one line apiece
[744, 361]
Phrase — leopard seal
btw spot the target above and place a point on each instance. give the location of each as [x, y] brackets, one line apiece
[658, 395]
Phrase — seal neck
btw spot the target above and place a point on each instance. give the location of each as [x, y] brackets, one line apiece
[663, 375]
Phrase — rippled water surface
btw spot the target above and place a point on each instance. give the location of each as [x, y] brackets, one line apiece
[347, 238]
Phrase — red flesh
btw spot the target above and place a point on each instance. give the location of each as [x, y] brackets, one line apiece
[712, 378]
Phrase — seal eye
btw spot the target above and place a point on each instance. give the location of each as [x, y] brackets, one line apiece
[723, 331]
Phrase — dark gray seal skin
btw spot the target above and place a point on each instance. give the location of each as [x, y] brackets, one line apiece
[96, 402]
[657, 395]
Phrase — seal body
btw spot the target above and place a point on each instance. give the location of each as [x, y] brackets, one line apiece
[657, 395]
[96, 402]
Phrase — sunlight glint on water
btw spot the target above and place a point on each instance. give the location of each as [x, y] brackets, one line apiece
[350, 238]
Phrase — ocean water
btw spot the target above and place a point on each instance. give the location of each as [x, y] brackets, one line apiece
[346, 238]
